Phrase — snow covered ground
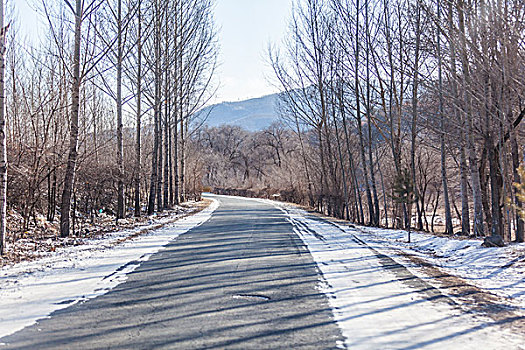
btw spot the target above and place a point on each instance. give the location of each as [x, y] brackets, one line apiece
[379, 305]
[377, 302]
[32, 290]
[500, 271]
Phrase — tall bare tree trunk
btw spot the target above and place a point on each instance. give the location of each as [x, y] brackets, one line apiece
[160, 205]
[159, 101]
[471, 148]
[394, 138]
[182, 178]
[489, 134]
[385, 203]
[176, 102]
[156, 115]
[364, 162]
[463, 167]
[165, 194]
[176, 188]
[139, 111]
[342, 165]
[465, 205]
[3, 152]
[305, 162]
[170, 156]
[165, 189]
[449, 229]
[375, 217]
[182, 145]
[65, 208]
[323, 180]
[358, 203]
[120, 146]
[415, 90]
[515, 165]
[359, 119]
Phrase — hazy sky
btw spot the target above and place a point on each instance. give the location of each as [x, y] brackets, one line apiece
[246, 29]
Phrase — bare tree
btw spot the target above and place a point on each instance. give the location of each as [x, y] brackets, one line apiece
[65, 208]
[3, 149]
[138, 111]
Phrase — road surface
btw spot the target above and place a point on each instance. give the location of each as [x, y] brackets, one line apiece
[245, 280]
[242, 280]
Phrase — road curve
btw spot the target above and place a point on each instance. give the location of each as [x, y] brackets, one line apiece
[242, 280]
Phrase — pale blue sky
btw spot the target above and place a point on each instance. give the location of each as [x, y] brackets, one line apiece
[246, 29]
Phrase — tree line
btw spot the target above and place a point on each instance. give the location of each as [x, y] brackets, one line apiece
[97, 113]
[395, 113]
[410, 91]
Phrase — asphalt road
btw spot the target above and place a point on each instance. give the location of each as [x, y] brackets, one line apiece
[242, 280]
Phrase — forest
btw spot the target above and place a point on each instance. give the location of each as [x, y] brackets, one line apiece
[404, 114]
[96, 114]
[394, 113]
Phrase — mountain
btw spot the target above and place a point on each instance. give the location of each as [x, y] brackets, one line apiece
[253, 114]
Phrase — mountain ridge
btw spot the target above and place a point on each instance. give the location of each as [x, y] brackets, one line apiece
[253, 114]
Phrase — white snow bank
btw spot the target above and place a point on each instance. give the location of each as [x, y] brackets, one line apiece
[376, 310]
[498, 270]
[32, 290]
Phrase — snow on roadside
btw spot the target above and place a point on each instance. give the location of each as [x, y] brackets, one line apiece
[32, 290]
[375, 309]
[498, 270]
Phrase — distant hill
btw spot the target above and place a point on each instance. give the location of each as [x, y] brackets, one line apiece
[254, 114]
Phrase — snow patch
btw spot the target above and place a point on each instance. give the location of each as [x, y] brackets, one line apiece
[498, 270]
[372, 305]
[33, 290]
